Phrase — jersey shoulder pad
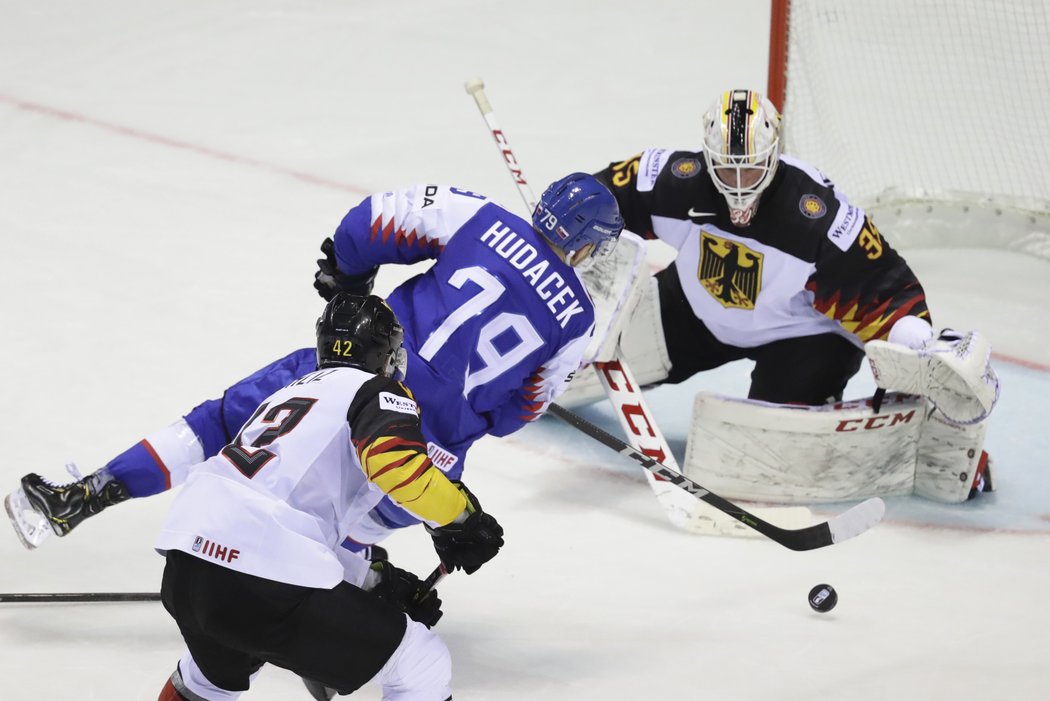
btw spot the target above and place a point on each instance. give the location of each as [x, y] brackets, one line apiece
[676, 165]
[812, 199]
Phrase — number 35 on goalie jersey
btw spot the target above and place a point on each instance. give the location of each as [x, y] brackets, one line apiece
[495, 329]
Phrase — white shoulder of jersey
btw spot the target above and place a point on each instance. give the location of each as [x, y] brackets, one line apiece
[650, 164]
[849, 219]
[435, 212]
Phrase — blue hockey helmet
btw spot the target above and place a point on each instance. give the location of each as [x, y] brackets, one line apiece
[576, 211]
[360, 332]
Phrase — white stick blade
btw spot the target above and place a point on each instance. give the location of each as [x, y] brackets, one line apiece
[857, 520]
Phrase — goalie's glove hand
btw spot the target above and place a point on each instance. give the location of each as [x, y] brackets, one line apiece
[405, 590]
[329, 281]
[471, 543]
[943, 342]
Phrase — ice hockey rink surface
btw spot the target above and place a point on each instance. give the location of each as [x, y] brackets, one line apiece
[167, 173]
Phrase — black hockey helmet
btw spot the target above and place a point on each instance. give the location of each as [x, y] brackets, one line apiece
[360, 332]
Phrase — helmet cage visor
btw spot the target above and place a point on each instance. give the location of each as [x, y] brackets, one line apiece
[742, 178]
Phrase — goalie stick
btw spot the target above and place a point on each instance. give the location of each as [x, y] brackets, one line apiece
[846, 525]
[625, 395]
[439, 573]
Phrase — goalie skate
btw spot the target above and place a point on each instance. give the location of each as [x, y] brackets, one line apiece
[31, 527]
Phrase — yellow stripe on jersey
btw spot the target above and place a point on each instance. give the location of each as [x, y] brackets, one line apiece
[406, 474]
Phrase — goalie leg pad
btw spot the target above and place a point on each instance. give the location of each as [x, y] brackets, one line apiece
[751, 450]
[614, 283]
[948, 459]
[642, 346]
[642, 341]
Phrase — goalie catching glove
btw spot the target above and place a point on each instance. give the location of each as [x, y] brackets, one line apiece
[404, 590]
[329, 281]
[471, 540]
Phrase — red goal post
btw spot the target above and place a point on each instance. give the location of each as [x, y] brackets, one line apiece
[933, 115]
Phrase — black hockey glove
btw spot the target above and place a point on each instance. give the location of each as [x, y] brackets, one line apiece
[470, 544]
[329, 281]
[405, 590]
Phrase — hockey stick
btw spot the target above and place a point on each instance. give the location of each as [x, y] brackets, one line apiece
[439, 573]
[623, 391]
[654, 442]
[78, 597]
[846, 525]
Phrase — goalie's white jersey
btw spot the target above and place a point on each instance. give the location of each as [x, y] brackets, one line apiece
[277, 501]
[809, 263]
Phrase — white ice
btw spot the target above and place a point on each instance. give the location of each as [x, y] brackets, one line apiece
[167, 172]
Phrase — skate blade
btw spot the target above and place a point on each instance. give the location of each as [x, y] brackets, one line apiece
[30, 526]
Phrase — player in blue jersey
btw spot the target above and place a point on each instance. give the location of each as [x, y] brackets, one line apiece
[494, 331]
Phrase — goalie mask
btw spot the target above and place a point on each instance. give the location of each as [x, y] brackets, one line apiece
[742, 149]
[576, 212]
[361, 332]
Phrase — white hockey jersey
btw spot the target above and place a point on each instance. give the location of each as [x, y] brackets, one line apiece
[315, 457]
[810, 262]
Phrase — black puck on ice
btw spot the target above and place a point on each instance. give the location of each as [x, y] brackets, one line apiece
[823, 598]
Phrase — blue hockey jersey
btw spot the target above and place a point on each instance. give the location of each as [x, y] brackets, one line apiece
[493, 330]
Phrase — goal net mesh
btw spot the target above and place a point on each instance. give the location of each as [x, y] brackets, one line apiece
[933, 115]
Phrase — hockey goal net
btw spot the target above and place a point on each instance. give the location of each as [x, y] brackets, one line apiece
[933, 115]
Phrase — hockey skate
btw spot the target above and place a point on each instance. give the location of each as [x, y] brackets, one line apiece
[983, 480]
[40, 507]
[31, 526]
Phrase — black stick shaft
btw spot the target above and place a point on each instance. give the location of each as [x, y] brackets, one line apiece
[439, 573]
[78, 597]
[803, 539]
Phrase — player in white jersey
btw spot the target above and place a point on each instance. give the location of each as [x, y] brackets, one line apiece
[255, 573]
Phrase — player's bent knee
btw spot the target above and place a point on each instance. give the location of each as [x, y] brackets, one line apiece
[188, 683]
[420, 668]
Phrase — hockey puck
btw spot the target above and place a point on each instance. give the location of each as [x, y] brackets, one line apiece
[823, 598]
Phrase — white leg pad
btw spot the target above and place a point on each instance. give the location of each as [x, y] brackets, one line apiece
[744, 449]
[642, 345]
[642, 341]
[613, 283]
[947, 459]
[420, 668]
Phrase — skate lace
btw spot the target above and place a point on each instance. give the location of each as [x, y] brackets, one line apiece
[71, 468]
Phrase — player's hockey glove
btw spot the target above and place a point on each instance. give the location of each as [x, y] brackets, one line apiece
[329, 281]
[470, 544]
[405, 590]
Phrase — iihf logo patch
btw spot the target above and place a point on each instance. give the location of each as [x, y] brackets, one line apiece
[685, 167]
[197, 543]
[812, 206]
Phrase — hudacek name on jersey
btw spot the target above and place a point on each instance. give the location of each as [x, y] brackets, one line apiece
[550, 286]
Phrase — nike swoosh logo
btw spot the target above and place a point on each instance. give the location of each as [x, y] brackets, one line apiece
[694, 213]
